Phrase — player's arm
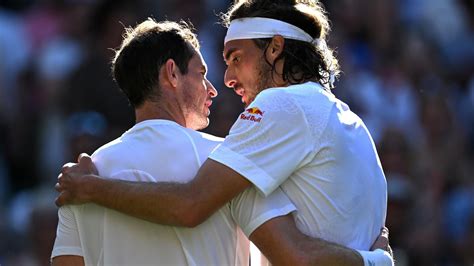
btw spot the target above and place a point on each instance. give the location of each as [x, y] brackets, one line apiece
[268, 160]
[283, 244]
[69, 260]
[168, 203]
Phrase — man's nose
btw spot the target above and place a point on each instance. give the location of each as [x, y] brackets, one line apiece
[211, 89]
[229, 78]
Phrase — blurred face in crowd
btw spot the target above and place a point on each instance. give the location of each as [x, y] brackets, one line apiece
[247, 71]
[196, 93]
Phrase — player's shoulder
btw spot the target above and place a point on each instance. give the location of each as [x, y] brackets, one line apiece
[150, 144]
[167, 135]
[291, 94]
[208, 137]
[108, 154]
[277, 101]
[271, 94]
[108, 148]
[203, 140]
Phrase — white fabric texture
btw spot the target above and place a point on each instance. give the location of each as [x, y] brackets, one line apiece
[257, 28]
[153, 151]
[305, 140]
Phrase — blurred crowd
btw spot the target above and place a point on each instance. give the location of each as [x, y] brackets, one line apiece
[408, 71]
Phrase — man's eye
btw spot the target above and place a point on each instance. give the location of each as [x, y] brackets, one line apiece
[236, 59]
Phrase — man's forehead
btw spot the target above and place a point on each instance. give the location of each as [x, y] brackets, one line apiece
[246, 46]
[199, 59]
[234, 45]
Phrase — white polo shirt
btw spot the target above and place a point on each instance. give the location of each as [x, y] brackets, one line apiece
[161, 150]
[321, 154]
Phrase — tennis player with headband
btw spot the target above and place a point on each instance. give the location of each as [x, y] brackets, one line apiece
[294, 134]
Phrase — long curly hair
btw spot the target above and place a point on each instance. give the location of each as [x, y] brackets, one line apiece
[303, 61]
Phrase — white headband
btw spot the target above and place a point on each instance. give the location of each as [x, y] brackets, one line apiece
[257, 28]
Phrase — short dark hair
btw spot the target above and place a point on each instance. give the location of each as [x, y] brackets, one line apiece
[303, 61]
[145, 48]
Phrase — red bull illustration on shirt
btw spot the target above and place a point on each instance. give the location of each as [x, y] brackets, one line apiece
[253, 114]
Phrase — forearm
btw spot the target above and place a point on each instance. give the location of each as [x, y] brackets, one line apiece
[163, 203]
[283, 244]
[319, 252]
[315, 251]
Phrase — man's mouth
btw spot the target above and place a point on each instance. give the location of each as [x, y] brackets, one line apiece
[239, 90]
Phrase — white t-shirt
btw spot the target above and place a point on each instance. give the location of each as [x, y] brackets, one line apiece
[162, 149]
[321, 154]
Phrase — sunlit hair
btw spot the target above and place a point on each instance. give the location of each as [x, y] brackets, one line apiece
[303, 61]
[144, 49]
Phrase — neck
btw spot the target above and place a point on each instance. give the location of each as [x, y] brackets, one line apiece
[151, 110]
[277, 76]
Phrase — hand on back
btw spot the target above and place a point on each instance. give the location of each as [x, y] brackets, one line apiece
[72, 182]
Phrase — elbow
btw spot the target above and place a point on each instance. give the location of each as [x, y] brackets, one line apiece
[288, 254]
[189, 214]
[191, 222]
[300, 258]
[189, 218]
[290, 258]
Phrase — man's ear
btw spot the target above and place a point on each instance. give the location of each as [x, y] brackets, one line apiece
[170, 73]
[275, 48]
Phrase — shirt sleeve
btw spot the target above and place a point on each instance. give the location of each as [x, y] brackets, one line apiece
[67, 236]
[268, 142]
[250, 209]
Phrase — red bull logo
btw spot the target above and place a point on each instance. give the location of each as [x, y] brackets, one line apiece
[254, 111]
[253, 114]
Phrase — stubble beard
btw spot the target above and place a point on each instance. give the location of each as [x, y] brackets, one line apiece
[264, 79]
[198, 119]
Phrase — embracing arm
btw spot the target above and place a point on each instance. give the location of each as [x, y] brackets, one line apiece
[178, 204]
[283, 244]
